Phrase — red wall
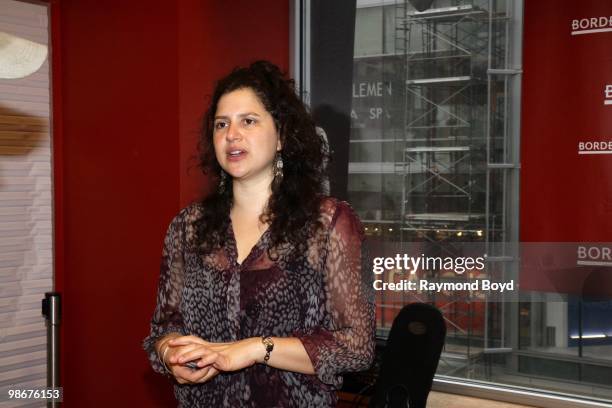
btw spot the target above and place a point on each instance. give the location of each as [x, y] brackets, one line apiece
[212, 41]
[130, 81]
[566, 197]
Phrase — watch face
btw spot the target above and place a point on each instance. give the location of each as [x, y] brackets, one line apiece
[268, 343]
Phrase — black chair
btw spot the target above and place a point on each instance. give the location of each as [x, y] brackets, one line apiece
[410, 358]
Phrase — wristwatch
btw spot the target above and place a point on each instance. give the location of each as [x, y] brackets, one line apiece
[269, 345]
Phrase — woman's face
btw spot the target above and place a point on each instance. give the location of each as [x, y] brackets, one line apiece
[245, 137]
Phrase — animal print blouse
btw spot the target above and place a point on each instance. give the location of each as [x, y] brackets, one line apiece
[324, 297]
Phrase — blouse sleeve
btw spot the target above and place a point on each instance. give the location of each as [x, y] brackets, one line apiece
[167, 316]
[346, 339]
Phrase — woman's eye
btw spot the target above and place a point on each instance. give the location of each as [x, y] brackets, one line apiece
[220, 125]
[249, 121]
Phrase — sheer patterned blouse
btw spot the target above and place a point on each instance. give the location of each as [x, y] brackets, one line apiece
[324, 297]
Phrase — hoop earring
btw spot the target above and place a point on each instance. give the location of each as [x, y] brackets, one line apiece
[278, 168]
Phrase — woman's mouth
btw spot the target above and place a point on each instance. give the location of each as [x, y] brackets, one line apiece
[235, 154]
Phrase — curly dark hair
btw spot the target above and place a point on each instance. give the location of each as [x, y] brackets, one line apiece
[293, 208]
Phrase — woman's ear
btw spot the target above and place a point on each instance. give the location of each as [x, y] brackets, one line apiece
[279, 145]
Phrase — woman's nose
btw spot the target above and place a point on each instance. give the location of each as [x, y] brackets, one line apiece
[233, 133]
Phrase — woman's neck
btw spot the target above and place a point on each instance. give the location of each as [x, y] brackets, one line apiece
[251, 197]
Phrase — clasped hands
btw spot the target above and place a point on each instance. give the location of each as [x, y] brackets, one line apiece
[211, 358]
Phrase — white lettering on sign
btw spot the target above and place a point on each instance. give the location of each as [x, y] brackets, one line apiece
[591, 25]
[594, 256]
[595, 147]
[375, 113]
[608, 95]
[371, 89]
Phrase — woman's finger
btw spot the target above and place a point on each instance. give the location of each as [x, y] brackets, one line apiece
[176, 352]
[184, 340]
[212, 372]
[207, 359]
[195, 375]
[194, 354]
[182, 374]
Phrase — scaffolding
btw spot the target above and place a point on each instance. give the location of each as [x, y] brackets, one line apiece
[447, 52]
[433, 171]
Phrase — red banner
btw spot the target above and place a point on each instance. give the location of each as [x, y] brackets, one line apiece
[566, 138]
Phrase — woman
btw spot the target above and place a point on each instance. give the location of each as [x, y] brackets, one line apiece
[262, 298]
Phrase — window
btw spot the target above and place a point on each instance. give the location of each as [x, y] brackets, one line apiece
[427, 152]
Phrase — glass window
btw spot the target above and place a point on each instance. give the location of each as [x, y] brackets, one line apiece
[432, 156]
[368, 33]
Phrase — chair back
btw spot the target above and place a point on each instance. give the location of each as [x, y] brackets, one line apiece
[410, 358]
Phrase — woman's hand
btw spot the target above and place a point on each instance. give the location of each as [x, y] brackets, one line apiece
[186, 375]
[232, 356]
[213, 358]
[181, 373]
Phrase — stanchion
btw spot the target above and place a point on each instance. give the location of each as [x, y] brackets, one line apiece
[52, 312]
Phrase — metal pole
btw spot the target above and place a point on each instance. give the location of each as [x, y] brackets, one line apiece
[52, 312]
